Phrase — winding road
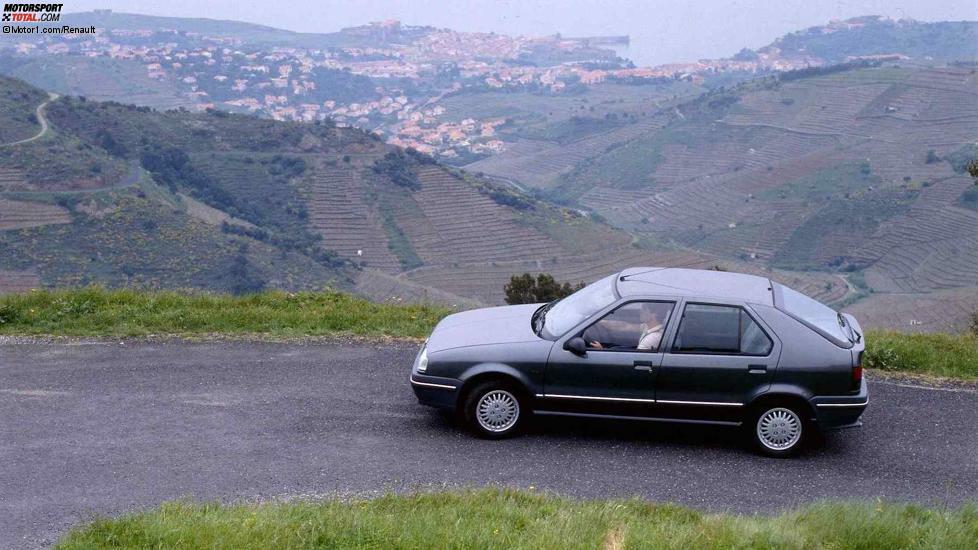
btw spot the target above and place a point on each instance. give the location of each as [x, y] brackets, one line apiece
[104, 428]
[39, 113]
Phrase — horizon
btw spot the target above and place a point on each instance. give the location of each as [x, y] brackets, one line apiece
[719, 29]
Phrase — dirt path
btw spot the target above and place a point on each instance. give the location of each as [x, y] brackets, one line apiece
[39, 112]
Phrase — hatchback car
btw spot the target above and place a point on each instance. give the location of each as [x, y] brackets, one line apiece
[661, 344]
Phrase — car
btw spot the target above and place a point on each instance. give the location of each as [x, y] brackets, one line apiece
[654, 343]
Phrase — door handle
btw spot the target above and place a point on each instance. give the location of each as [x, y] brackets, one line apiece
[644, 365]
[756, 369]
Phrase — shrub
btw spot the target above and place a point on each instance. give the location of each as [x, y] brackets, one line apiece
[398, 167]
[525, 289]
[883, 358]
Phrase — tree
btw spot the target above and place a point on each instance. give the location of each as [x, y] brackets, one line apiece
[240, 276]
[525, 289]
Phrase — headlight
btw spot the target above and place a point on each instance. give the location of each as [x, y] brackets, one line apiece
[423, 360]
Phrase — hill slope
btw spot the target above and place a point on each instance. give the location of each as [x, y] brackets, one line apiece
[125, 195]
[848, 171]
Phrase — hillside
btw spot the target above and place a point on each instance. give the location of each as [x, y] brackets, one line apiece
[96, 78]
[80, 205]
[848, 170]
[125, 195]
[839, 41]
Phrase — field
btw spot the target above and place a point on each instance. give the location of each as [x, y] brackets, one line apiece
[499, 518]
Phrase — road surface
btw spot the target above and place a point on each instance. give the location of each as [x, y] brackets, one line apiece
[39, 113]
[89, 429]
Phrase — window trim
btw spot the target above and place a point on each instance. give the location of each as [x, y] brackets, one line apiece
[665, 329]
[672, 345]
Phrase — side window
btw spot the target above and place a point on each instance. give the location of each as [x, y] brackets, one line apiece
[720, 329]
[635, 326]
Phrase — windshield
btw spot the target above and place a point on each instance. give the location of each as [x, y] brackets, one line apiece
[565, 314]
[815, 313]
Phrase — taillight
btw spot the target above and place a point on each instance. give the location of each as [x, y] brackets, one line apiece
[857, 372]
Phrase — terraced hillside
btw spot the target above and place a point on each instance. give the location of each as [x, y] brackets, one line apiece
[100, 199]
[125, 195]
[847, 171]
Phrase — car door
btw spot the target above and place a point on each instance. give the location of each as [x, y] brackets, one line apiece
[720, 356]
[616, 373]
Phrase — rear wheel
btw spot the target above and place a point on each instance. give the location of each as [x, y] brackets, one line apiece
[494, 410]
[778, 430]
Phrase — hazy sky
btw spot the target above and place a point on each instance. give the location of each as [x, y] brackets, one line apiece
[662, 31]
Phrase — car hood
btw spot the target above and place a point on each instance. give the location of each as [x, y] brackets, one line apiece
[492, 325]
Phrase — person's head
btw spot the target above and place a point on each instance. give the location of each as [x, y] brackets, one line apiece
[650, 316]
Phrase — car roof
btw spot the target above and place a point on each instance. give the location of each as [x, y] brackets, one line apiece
[695, 283]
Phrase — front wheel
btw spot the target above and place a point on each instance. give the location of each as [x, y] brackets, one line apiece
[493, 410]
[778, 431]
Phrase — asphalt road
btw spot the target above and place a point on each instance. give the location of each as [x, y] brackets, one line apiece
[89, 429]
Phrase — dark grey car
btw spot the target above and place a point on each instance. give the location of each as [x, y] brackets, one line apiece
[663, 344]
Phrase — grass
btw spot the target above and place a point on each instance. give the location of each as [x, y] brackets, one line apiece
[944, 355]
[495, 518]
[99, 312]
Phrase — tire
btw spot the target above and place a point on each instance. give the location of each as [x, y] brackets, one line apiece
[779, 430]
[495, 409]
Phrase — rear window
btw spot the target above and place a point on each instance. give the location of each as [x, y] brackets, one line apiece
[815, 313]
[707, 328]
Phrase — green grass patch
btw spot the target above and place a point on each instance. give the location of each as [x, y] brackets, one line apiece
[496, 518]
[99, 312]
[946, 355]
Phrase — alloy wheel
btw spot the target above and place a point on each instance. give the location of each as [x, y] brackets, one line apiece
[497, 411]
[779, 429]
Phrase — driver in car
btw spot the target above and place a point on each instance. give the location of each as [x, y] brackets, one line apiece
[649, 330]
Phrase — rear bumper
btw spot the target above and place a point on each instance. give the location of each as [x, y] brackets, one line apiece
[435, 391]
[843, 411]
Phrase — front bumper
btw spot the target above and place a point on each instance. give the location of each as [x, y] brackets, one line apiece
[843, 411]
[435, 391]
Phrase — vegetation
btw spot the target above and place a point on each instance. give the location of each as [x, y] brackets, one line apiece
[943, 40]
[965, 160]
[840, 218]
[525, 289]
[399, 165]
[969, 199]
[944, 355]
[499, 518]
[17, 104]
[98, 312]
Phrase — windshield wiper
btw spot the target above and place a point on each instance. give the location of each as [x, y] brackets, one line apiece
[854, 336]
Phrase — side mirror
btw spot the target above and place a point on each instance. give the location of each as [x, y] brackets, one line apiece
[576, 345]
